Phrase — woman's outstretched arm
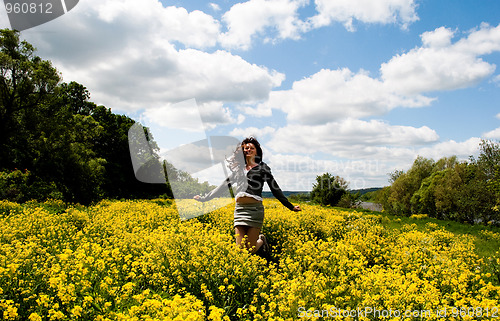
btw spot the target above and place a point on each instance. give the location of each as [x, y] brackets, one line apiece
[220, 191]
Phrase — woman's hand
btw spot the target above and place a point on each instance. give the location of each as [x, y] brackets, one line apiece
[296, 208]
[197, 197]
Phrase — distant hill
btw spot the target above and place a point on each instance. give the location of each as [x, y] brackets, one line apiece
[287, 193]
[363, 191]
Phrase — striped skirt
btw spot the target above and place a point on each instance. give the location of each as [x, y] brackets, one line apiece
[249, 215]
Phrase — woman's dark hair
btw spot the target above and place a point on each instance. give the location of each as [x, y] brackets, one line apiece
[252, 140]
[237, 160]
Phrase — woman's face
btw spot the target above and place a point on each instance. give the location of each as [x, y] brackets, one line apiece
[249, 150]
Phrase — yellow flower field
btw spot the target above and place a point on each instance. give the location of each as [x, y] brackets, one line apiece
[135, 260]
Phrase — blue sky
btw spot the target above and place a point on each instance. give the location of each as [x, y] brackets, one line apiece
[358, 88]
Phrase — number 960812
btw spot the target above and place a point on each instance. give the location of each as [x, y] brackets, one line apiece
[26, 8]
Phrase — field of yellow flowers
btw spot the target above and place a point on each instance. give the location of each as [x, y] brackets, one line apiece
[135, 260]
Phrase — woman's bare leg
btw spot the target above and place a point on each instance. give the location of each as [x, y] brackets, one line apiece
[253, 243]
[240, 233]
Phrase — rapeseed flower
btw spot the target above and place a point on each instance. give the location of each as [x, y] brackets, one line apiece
[135, 260]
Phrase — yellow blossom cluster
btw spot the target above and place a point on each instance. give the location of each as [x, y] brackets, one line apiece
[136, 260]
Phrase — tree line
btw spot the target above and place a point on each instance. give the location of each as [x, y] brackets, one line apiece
[464, 191]
[55, 142]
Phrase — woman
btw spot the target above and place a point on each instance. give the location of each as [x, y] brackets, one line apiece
[249, 211]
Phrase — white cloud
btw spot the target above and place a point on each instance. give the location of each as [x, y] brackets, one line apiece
[441, 65]
[451, 148]
[143, 56]
[439, 38]
[390, 147]
[261, 110]
[330, 95]
[246, 20]
[498, 116]
[152, 20]
[188, 115]
[279, 19]
[349, 138]
[183, 115]
[493, 134]
[299, 172]
[364, 159]
[496, 80]
[125, 53]
[252, 131]
[367, 11]
[214, 6]
[142, 80]
[214, 114]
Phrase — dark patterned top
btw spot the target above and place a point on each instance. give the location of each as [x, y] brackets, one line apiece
[255, 179]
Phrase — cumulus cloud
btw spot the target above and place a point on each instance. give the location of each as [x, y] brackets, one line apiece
[143, 56]
[363, 153]
[442, 65]
[128, 57]
[451, 148]
[252, 131]
[493, 134]
[248, 19]
[4, 19]
[325, 110]
[215, 113]
[330, 95]
[190, 116]
[194, 29]
[143, 80]
[298, 172]
[350, 137]
[366, 11]
[260, 110]
[280, 19]
[182, 115]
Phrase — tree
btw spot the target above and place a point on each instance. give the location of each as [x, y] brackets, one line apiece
[40, 130]
[487, 179]
[26, 81]
[113, 145]
[328, 189]
[448, 189]
[56, 143]
[489, 159]
[439, 195]
[404, 185]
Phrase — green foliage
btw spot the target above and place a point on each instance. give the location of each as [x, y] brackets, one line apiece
[406, 184]
[328, 189]
[438, 194]
[14, 185]
[489, 163]
[300, 197]
[448, 189]
[382, 197]
[369, 195]
[71, 148]
[349, 200]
